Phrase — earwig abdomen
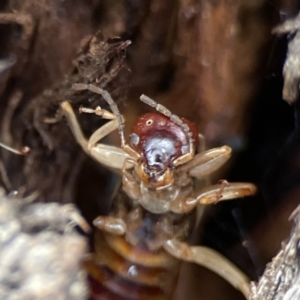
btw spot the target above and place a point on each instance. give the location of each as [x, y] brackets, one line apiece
[120, 271]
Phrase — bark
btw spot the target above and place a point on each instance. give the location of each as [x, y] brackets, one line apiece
[291, 67]
[281, 277]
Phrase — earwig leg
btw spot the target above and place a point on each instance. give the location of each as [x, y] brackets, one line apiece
[74, 126]
[211, 260]
[212, 194]
[105, 114]
[75, 218]
[109, 156]
[202, 143]
[102, 132]
[110, 224]
[116, 113]
[183, 159]
[219, 192]
[183, 206]
[129, 184]
[207, 162]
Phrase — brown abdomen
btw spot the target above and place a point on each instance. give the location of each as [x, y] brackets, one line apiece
[117, 270]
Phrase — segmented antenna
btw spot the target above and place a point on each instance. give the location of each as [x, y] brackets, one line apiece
[113, 106]
[163, 110]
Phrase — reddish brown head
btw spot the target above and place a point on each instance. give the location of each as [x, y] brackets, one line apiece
[160, 141]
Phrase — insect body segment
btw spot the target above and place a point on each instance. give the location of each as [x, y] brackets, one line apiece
[139, 245]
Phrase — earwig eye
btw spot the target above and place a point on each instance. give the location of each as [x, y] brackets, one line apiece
[134, 138]
[184, 149]
[149, 122]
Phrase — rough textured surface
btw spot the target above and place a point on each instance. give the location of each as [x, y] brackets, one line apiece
[291, 70]
[40, 251]
[203, 59]
[43, 130]
[281, 278]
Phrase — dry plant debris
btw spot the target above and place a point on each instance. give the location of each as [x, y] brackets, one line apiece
[291, 70]
[40, 251]
[281, 279]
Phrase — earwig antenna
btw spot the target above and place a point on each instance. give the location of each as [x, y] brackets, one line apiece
[166, 112]
[22, 151]
[106, 96]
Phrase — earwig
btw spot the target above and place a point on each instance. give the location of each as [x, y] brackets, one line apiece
[139, 246]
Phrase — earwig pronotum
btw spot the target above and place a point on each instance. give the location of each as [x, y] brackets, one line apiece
[140, 244]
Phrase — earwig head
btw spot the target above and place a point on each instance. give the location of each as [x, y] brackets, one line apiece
[157, 139]
[160, 142]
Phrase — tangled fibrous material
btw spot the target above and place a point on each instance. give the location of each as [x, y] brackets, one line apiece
[281, 279]
[40, 251]
[291, 67]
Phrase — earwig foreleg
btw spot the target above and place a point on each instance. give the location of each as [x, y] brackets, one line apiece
[110, 224]
[219, 192]
[74, 126]
[129, 184]
[211, 260]
[185, 206]
[207, 162]
[75, 218]
[113, 106]
[105, 114]
[109, 156]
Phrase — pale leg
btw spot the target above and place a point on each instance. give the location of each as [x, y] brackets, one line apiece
[110, 224]
[207, 162]
[211, 260]
[109, 156]
[219, 192]
[213, 194]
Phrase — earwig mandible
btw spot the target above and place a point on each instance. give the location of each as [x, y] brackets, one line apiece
[142, 240]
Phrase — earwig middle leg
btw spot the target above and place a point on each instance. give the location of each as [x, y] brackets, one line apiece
[110, 224]
[220, 192]
[213, 194]
[211, 260]
[113, 106]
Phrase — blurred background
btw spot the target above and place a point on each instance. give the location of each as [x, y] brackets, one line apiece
[213, 62]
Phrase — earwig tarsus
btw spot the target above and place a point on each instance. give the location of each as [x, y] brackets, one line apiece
[139, 245]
